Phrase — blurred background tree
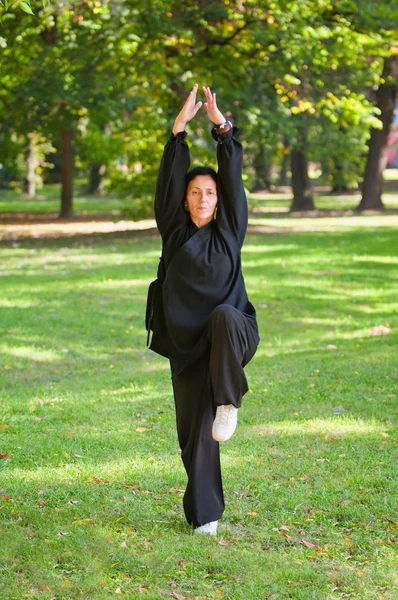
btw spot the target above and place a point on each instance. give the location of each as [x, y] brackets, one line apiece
[95, 86]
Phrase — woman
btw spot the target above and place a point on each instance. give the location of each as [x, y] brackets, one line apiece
[210, 326]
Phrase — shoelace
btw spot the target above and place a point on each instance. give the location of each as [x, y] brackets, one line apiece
[223, 414]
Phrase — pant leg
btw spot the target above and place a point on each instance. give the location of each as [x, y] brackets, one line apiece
[195, 411]
[234, 339]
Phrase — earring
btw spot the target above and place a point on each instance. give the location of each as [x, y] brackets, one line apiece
[186, 206]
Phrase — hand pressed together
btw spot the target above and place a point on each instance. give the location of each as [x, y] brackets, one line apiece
[191, 107]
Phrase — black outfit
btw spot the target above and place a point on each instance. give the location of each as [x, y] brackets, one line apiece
[211, 326]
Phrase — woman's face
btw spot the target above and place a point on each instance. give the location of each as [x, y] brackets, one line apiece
[201, 199]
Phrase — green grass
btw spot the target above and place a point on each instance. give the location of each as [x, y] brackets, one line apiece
[48, 201]
[280, 202]
[91, 484]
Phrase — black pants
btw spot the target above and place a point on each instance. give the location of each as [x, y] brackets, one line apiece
[216, 378]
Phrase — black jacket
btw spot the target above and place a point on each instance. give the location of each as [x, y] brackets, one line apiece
[202, 265]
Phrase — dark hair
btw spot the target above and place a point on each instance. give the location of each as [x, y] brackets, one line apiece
[200, 170]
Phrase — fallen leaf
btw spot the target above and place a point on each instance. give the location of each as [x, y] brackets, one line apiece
[379, 330]
[3, 426]
[252, 514]
[139, 589]
[286, 536]
[141, 429]
[387, 519]
[332, 347]
[118, 591]
[292, 481]
[223, 542]
[284, 528]
[176, 491]
[40, 401]
[178, 596]
[5, 455]
[307, 544]
[61, 533]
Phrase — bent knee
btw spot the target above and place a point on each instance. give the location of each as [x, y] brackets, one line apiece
[224, 312]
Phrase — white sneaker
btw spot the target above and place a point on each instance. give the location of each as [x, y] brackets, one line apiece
[210, 528]
[225, 422]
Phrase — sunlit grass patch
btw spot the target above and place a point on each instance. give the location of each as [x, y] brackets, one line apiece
[31, 352]
[337, 426]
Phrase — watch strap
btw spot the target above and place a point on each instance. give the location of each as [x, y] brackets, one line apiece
[223, 125]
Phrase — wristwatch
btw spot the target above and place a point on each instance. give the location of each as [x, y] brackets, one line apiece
[223, 125]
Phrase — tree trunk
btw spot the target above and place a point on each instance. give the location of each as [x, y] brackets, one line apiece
[262, 169]
[95, 177]
[67, 175]
[31, 163]
[302, 193]
[386, 97]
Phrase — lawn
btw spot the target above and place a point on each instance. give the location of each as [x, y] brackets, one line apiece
[91, 479]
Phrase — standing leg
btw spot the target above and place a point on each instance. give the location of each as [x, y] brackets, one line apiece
[234, 339]
[195, 411]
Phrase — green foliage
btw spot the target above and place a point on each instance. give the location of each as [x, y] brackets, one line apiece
[25, 6]
[117, 74]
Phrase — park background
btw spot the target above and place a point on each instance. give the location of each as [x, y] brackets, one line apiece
[91, 479]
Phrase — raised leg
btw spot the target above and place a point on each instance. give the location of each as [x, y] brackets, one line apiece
[234, 339]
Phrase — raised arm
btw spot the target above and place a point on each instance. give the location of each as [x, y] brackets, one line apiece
[232, 213]
[170, 185]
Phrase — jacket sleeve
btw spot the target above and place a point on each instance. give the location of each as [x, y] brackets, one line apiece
[170, 185]
[232, 212]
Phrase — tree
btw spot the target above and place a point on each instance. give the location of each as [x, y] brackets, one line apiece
[386, 99]
[73, 62]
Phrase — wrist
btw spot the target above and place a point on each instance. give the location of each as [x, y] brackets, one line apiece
[179, 126]
[219, 119]
[223, 127]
